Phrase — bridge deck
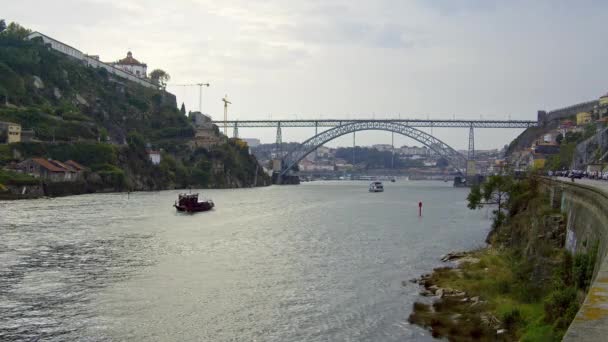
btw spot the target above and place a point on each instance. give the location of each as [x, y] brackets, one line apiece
[408, 122]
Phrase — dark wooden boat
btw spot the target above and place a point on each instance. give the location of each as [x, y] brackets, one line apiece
[189, 203]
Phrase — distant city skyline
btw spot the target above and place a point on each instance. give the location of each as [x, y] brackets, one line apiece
[418, 59]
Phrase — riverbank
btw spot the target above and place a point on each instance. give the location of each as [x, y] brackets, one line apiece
[61, 189]
[525, 286]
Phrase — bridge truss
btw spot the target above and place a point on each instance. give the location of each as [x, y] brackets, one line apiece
[407, 122]
[456, 159]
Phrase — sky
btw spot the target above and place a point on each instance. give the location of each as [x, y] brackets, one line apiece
[444, 59]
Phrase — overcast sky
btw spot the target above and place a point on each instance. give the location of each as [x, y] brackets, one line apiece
[350, 58]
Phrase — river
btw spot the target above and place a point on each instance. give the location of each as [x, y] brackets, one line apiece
[322, 261]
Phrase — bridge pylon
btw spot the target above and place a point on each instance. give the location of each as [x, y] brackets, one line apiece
[279, 140]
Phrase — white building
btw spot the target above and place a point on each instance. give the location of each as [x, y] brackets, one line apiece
[415, 150]
[91, 60]
[154, 157]
[132, 65]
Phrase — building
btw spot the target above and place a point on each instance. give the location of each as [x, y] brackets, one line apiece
[80, 169]
[131, 65]
[154, 156]
[383, 147]
[207, 137]
[583, 118]
[323, 152]
[92, 60]
[201, 120]
[12, 132]
[603, 100]
[47, 169]
[309, 166]
[414, 151]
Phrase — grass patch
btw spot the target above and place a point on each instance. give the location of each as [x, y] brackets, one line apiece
[499, 293]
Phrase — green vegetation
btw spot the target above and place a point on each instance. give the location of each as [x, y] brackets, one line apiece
[526, 286]
[63, 100]
[107, 123]
[13, 178]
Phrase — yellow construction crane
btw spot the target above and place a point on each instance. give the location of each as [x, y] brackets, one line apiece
[200, 92]
[226, 103]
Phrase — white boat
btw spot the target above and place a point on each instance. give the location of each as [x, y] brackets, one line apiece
[376, 187]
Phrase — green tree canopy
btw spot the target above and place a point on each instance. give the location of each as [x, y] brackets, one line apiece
[14, 30]
[160, 77]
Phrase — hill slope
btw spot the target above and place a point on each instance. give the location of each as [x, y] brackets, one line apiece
[107, 123]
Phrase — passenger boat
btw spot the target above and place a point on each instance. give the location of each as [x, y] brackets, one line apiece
[189, 203]
[376, 187]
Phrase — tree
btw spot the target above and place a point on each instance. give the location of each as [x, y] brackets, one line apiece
[160, 77]
[2, 25]
[559, 138]
[16, 31]
[183, 109]
[494, 191]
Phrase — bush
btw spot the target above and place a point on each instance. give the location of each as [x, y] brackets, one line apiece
[561, 306]
[14, 178]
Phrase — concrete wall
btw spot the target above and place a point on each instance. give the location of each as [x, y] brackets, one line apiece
[587, 211]
[562, 113]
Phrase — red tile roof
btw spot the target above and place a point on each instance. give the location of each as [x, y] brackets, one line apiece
[48, 165]
[62, 165]
[129, 60]
[76, 165]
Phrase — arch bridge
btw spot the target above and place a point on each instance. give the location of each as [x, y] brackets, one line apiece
[456, 159]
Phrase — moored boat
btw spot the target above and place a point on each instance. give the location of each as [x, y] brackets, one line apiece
[189, 203]
[376, 187]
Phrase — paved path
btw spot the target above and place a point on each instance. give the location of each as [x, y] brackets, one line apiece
[597, 183]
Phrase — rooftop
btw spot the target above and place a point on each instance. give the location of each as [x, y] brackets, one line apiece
[129, 60]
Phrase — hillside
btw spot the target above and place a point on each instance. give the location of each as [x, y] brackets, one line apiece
[107, 123]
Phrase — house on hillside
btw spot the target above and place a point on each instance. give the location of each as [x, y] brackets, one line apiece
[154, 156]
[80, 169]
[47, 169]
[132, 65]
[583, 118]
[206, 138]
[128, 68]
[10, 132]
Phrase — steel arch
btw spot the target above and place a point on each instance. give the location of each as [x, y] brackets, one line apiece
[455, 158]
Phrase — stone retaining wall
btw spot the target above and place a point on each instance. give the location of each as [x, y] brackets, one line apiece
[587, 212]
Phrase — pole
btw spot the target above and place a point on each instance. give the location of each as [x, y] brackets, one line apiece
[200, 98]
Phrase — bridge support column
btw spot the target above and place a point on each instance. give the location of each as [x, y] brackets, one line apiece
[279, 141]
[235, 132]
[471, 155]
[470, 167]
[316, 132]
[354, 145]
[393, 150]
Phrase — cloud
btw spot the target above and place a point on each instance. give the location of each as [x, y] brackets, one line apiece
[334, 58]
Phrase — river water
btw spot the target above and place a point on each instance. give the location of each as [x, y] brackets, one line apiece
[322, 261]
